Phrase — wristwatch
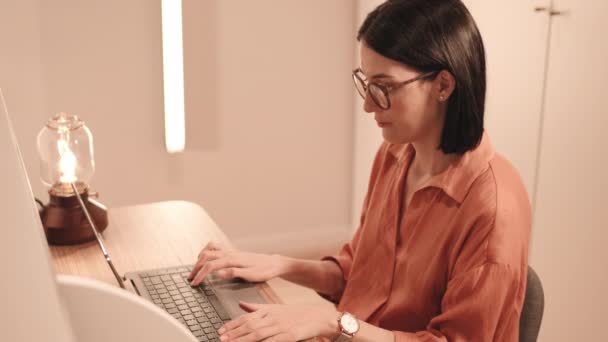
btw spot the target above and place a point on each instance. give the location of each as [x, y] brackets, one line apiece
[349, 326]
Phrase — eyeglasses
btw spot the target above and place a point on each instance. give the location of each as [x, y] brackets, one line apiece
[378, 91]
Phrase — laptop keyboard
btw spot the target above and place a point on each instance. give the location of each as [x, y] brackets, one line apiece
[198, 308]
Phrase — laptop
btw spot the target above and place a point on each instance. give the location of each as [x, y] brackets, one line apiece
[202, 309]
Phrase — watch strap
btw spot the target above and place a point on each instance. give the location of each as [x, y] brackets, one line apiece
[344, 338]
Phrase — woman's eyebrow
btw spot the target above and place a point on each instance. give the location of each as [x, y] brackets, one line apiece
[381, 75]
[376, 76]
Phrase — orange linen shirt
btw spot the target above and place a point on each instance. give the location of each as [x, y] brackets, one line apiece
[454, 268]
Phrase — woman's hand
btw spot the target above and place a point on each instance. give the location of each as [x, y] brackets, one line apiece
[231, 263]
[280, 323]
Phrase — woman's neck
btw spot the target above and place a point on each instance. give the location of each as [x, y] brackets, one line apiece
[429, 160]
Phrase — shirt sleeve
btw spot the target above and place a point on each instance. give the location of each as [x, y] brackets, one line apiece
[344, 259]
[472, 306]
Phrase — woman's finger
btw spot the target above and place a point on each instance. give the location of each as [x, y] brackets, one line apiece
[211, 246]
[251, 307]
[237, 322]
[261, 334]
[254, 329]
[213, 266]
[204, 257]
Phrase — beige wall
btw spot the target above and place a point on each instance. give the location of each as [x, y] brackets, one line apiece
[21, 75]
[368, 136]
[269, 104]
[515, 71]
[570, 238]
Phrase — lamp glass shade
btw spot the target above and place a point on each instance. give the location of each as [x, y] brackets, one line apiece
[65, 150]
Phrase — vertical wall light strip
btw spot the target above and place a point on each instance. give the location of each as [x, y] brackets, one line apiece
[173, 76]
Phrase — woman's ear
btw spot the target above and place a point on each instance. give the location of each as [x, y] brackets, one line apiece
[445, 84]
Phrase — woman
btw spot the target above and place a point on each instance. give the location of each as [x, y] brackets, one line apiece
[441, 250]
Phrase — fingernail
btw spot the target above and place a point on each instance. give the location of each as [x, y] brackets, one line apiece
[222, 330]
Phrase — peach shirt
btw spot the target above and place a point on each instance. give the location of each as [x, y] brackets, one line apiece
[454, 267]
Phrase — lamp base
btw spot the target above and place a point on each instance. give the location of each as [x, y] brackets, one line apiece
[64, 221]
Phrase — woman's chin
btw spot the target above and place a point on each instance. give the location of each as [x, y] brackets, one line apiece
[392, 138]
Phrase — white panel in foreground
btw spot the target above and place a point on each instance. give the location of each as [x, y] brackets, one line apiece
[31, 309]
[100, 312]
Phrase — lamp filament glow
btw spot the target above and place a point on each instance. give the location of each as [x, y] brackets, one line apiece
[67, 162]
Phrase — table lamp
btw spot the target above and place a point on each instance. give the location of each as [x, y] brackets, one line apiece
[65, 149]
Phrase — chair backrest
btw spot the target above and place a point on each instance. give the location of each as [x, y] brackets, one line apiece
[532, 312]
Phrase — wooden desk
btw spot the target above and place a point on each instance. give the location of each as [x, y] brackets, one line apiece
[158, 235]
[145, 237]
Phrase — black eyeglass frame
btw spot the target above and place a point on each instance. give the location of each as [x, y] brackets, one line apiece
[386, 90]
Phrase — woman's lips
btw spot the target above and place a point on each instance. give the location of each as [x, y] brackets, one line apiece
[382, 124]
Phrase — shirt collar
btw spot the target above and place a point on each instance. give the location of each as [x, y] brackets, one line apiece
[457, 179]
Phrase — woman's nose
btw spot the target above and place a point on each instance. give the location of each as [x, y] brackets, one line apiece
[369, 106]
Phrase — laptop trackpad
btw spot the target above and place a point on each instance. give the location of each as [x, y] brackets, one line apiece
[231, 292]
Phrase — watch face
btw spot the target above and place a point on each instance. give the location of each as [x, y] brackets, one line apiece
[349, 323]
